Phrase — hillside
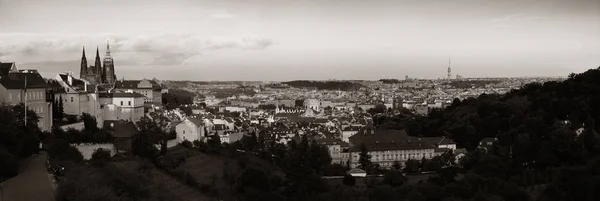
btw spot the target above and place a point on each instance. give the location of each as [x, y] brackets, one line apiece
[325, 85]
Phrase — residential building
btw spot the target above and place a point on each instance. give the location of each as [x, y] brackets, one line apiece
[389, 146]
[231, 137]
[78, 97]
[122, 106]
[151, 90]
[190, 129]
[335, 147]
[122, 132]
[28, 87]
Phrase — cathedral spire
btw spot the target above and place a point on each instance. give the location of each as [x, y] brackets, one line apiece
[107, 49]
[84, 65]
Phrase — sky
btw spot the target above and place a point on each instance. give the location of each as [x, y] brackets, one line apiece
[304, 39]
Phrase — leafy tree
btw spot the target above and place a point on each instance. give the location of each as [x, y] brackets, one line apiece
[364, 159]
[411, 166]
[349, 180]
[101, 155]
[89, 123]
[394, 178]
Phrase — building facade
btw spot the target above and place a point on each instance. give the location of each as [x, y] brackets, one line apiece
[122, 106]
[27, 87]
[79, 97]
[151, 89]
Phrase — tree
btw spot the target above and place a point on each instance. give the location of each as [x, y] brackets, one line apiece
[101, 155]
[396, 165]
[411, 166]
[394, 178]
[89, 123]
[349, 180]
[364, 159]
[60, 109]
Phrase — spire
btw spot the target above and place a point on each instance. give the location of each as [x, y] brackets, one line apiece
[449, 69]
[107, 49]
[83, 54]
[97, 52]
[84, 65]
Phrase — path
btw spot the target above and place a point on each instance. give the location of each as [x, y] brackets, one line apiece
[31, 184]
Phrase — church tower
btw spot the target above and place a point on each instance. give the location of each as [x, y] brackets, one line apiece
[108, 73]
[97, 67]
[84, 65]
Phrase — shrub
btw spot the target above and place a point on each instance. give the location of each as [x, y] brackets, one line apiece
[349, 180]
[187, 144]
[101, 155]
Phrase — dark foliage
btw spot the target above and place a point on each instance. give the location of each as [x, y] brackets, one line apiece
[101, 155]
[325, 85]
[177, 97]
[105, 181]
[17, 140]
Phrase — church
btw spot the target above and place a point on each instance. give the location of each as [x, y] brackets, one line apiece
[98, 74]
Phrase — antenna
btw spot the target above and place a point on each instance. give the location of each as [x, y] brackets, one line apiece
[449, 69]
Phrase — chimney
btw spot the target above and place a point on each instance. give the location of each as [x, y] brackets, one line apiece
[70, 79]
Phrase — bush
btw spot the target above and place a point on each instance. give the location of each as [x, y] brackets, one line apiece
[9, 164]
[187, 144]
[101, 155]
[349, 180]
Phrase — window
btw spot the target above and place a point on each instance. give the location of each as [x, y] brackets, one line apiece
[183, 131]
[121, 102]
[129, 102]
[71, 99]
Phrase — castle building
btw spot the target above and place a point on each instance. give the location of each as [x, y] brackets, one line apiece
[98, 74]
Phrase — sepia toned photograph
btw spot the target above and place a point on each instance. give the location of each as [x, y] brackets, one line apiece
[299, 100]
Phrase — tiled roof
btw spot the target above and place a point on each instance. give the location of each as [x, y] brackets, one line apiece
[17, 81]
[133, 84]
[196, 121]
[120, 95]
[120, 128]
[5, 68]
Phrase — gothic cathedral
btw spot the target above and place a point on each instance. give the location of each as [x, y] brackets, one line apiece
[98, 74]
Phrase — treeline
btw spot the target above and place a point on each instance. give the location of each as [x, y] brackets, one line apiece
[537, 155]
[465, 84]
[390, 81]
[225, 93]
[17, 139]
[325, 85]
[177, 97]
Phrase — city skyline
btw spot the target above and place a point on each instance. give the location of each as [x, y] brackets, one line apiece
[316, 39]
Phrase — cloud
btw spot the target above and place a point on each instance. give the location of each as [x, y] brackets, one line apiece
[514, 19]
[222, 15]
[163, 49]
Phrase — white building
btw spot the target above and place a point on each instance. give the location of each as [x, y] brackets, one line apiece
[190, 129]
[126, 106]
[312, 104]
[79, 97]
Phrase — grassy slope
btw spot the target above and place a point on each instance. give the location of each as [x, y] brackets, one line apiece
[170, 184]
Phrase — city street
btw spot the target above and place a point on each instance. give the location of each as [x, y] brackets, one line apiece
[31, 184]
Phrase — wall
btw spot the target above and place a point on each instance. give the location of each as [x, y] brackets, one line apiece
[88, 149]
[77, 126]
[187, 130]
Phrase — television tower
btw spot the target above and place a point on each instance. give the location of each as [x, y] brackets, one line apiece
[449, 70]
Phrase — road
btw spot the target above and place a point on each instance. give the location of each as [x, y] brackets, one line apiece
[31, 184]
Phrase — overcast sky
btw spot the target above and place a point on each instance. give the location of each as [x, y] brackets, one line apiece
[306, 39]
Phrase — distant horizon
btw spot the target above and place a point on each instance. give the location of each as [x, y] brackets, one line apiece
[305, 40]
